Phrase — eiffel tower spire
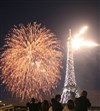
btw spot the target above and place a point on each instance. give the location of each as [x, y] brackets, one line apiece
[70, 90]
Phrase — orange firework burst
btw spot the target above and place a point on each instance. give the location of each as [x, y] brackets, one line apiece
[31, 61]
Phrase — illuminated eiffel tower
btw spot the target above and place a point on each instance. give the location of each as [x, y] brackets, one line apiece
[70, 90]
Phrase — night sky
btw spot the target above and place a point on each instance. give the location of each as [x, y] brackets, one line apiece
[59, 16]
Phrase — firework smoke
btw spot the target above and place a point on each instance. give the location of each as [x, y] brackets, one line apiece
[31, 61]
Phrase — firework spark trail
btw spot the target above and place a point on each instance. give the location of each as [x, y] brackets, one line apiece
[31, 61]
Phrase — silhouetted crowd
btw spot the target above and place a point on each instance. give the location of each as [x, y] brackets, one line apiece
[78, 104]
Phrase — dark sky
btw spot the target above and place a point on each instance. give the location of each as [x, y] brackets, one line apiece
[59, 16]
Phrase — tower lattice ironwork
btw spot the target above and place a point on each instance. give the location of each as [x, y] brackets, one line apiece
[70, 90]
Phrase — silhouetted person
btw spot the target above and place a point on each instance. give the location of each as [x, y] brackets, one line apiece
[56, 105]
[69, 106]
[82, 103]
[45, 105]
[32, 105]
[28, 104]
[59, 105]
[53, 105]
[39, 106]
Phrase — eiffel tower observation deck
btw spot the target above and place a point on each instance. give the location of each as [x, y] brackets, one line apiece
[70, 90]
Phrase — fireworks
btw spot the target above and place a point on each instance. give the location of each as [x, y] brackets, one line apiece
[31, 61]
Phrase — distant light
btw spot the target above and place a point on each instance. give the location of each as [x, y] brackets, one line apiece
[90, 44]
[4, 104]
[83, 29]
[77, 41]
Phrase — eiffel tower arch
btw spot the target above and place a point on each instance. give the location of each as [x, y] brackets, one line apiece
[70, 90]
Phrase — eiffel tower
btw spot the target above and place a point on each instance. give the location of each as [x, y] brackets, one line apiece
[70, 90]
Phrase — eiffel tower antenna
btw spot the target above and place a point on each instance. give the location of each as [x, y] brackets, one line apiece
[70, 33]
[70, 90]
